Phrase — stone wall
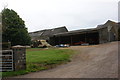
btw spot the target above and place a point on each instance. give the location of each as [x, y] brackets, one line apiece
[103, 35]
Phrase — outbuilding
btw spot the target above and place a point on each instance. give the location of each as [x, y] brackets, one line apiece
[101, 34]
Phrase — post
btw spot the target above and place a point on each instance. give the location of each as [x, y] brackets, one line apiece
[85, 38]
[19, 54]
[59, 40]
[71, 39]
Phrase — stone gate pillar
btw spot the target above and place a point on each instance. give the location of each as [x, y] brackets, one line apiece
[19, 57]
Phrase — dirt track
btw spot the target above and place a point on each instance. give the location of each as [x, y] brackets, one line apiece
[100, 61]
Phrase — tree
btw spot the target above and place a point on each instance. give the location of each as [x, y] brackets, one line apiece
[13, 28]
[0, 27]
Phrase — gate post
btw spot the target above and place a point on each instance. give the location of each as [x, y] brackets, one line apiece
[19, 56]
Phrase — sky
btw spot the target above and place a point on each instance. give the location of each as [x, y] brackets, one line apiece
[74, 14]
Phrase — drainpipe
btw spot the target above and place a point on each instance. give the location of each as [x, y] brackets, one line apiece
[109, 36]
[109, 28]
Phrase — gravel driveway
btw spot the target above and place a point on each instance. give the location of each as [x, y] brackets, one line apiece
[98, 61]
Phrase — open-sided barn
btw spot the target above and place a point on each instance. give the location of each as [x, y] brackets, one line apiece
[101, 34]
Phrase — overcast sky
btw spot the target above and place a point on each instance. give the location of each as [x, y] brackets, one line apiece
[74, 14]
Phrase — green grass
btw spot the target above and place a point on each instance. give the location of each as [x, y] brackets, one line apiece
[42, 59]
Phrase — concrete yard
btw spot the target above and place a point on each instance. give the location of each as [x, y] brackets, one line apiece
[97, 61]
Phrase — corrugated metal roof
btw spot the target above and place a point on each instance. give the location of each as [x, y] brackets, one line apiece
[81, 31]
[47, 33]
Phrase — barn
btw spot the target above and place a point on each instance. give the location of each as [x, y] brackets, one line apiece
[101, 34]
[47, 33]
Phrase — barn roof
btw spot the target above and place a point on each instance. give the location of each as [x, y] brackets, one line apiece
[81, 31]
[109, 22]
[47, 32]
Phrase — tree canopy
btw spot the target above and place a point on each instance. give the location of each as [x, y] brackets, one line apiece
[13, 28]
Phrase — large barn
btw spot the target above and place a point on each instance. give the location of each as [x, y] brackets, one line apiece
[47, 33]
[101, 34]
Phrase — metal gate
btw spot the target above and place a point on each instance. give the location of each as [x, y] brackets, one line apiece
[6, 60]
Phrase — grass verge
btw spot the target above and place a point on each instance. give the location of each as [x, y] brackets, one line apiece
[38, 60]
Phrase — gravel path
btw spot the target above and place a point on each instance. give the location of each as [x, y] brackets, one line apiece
[99, 61]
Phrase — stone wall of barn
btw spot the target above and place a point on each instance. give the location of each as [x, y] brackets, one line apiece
[107, 36]
[103, 35]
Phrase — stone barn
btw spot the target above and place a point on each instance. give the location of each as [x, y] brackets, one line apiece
[47, 33]
[108, 32]
[101, 34]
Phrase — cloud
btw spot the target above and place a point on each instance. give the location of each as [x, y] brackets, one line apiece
[75, 14]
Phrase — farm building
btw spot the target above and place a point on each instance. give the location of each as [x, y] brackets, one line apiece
[47, 33]
[101, 34]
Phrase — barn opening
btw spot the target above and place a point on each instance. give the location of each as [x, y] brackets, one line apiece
[76, 38]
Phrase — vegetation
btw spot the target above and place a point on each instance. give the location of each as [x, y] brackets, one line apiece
[13, 28]
[42, 59]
